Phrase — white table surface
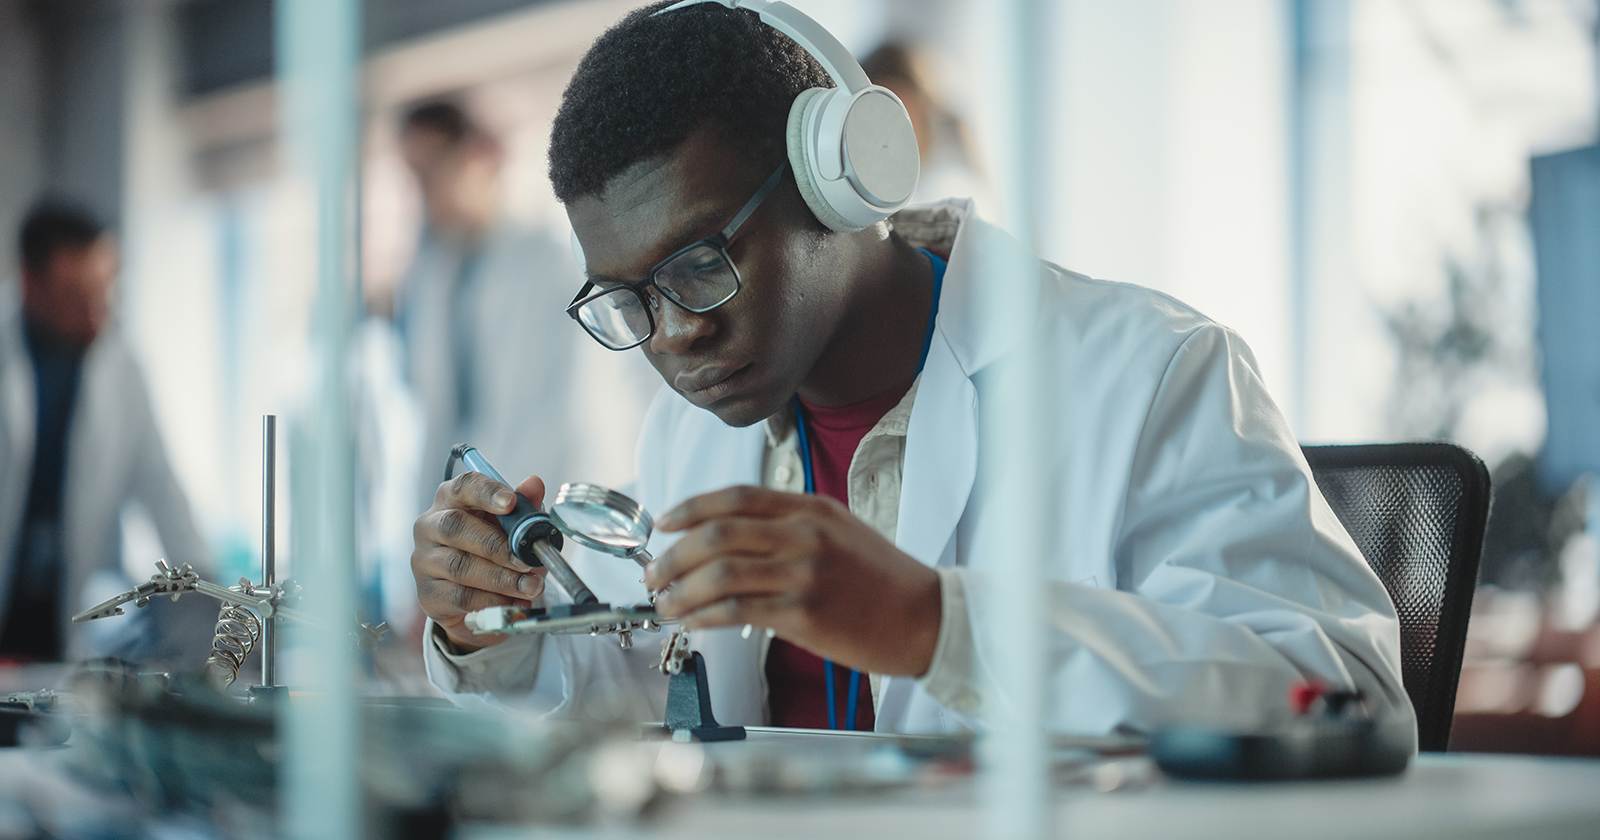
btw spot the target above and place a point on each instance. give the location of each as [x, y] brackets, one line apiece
[1439, 796]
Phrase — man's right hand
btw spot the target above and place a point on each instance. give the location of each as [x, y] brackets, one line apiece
[462, 560]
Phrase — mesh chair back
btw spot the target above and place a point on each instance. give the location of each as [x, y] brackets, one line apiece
[1417, 512]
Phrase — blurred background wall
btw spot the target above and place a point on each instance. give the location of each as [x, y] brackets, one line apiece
[1347, 183]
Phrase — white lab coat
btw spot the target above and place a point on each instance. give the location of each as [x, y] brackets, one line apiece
[115, 457]
[1196, 571]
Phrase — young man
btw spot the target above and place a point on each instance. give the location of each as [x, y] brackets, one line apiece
[1196, 571]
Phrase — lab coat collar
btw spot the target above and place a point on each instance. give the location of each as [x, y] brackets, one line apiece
[989, 295]
[989, 299]
[991, 284]
[987, 307]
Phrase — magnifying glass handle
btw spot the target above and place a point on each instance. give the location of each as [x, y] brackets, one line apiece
[642, 557]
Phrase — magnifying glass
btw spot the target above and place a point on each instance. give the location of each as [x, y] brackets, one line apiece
[603, 520]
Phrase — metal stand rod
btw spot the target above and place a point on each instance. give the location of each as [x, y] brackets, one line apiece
[269, 542]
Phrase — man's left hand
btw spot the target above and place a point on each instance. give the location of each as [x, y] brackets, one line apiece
[804, 566]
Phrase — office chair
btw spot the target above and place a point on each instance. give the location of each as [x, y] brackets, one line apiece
[1417, 512]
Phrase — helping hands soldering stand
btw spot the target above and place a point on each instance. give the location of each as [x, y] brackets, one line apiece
[614, 524]
[250, 612]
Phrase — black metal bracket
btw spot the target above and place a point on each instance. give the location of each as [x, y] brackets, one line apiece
[689, 705]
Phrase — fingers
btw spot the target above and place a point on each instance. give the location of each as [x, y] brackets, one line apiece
[462, 561]
[720, 537]
[745, 501]
[475, 491]
[725, 578]
[463, 569]
[465, 531]
[449, 600]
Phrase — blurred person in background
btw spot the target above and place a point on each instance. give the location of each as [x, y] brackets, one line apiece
[490, 352]
[949, 168]
[78, 445]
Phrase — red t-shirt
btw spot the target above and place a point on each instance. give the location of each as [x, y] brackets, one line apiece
[796, 683]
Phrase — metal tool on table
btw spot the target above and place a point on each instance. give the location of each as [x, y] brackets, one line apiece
[611, 523]
[250, 611]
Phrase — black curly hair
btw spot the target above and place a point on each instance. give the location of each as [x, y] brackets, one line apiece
[650, 81]
[56, 223]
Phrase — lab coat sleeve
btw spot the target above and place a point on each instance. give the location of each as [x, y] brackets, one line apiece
[559, 674]
[508, 670]
[1234, 579]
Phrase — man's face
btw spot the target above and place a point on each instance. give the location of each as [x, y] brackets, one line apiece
[72, 295]
[743, 360]
[460, 182]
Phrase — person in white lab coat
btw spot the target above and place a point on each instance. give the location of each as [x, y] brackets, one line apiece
[1195, 571]
[78, 445]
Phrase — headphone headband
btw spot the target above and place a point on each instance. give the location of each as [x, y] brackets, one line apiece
[809, 34]
[852, 148]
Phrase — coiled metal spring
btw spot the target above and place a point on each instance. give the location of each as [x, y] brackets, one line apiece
[237, 632]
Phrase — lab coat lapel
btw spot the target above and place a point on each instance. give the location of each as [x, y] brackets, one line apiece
[941, 458]
[990, 279]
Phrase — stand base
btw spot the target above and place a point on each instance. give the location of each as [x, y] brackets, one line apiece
[268, 693]
[689, 706]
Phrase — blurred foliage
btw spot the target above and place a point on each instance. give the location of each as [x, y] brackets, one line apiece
[1448, 347]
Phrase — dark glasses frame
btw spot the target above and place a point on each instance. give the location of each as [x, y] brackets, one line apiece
[718, 241]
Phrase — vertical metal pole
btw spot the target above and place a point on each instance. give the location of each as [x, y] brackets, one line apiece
[319, 43]
[1299, 107]
[269, 542]
[1015, 785]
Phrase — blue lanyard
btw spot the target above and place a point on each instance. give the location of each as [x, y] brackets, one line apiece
[811, 487]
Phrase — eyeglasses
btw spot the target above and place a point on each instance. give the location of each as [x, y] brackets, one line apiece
[699, 277]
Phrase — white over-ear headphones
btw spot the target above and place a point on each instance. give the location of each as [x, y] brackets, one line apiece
[851, 147]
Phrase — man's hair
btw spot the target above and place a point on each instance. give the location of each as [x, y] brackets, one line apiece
[55, 223]
[442, 116]
[650, 81]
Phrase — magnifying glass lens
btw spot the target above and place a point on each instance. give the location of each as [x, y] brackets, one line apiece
[603, 524]
[601, 518]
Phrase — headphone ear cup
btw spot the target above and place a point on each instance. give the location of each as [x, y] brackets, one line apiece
[802, 162]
